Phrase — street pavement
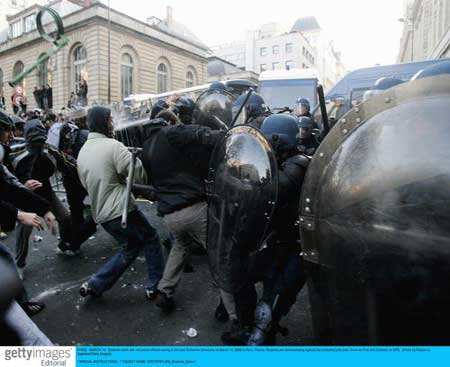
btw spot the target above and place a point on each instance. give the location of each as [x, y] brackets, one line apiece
[123, 316]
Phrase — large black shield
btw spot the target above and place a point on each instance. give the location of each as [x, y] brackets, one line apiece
[242, 192]
[213, 109]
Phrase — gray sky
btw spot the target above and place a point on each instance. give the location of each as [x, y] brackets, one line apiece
[367, 32]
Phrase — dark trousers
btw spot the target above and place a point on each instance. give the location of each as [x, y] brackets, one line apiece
[283, 276]
[137, 236]
[83, 228]
[23, 232]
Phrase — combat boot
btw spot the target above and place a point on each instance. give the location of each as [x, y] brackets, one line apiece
[237, 336]
[165, 303]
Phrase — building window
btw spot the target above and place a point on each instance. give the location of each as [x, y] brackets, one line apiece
[18, 68]
[275, 65]
[289, 65]
[304, 50]
[262, 67]
[275, 50]
[29, 23]
[288, 48]
[43, 74]
[126, 74]
[79, 66]
[190, 79]
[15, 29]
[163, 78]
[263, 51]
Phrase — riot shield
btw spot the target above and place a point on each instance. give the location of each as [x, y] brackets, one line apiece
[128, 122]
[374, 220]
[242, 193]
[214, 109]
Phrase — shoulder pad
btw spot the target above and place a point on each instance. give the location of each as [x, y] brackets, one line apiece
[300, 160]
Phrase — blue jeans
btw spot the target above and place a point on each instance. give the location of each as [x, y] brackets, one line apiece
[138, 235]
[28, 332]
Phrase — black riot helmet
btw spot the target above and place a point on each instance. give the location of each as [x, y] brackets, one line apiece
[305, 125]
[218, 85]
[433, 70]
[254, 107]
[302, 107]
[213, 109]
[380, 86]
[185, 108]
[282, 131]
[6, 123]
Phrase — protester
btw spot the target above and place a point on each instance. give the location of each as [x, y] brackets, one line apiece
[82, 93]
[102, 165]
[34, 169]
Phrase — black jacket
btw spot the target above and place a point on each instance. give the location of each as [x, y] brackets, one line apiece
[40, 167]
[309, 145]
[291, 174]
[14, 195]
[176, 159]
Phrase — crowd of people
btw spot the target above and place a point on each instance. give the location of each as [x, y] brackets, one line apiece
[172, 168]
[43, 97]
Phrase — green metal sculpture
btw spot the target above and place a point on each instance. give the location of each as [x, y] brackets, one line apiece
[57, 38]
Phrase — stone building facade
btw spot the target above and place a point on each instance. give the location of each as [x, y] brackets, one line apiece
[143, 58]
[426, 30]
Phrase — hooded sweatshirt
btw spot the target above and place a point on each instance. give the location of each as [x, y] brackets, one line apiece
[35, 163]
[103, 165]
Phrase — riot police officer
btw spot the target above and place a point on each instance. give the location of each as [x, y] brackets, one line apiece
[255, 110]
[217, 86]
[278, 264]
[302, 107]
[308, 142]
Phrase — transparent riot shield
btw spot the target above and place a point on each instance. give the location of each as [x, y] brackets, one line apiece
[214, 109]
[242, 193]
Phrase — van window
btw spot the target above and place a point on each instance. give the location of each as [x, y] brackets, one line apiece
[284, 93]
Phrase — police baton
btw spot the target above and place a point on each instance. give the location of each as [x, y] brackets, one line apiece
[57, 38]
[323, 110]
[130, 181]
[249, 93]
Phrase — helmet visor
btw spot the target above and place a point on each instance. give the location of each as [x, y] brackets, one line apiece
[214, 109]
